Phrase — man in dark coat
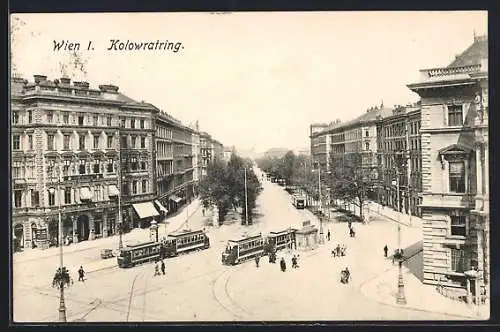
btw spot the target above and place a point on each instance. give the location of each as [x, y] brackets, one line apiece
[283, 264]
[385, 250]
[162, 267]
[81, 274]
[328, 235]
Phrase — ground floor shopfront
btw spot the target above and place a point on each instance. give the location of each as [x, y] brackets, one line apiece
[42, 230]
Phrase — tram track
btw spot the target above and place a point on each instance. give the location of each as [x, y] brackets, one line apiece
[219, 292]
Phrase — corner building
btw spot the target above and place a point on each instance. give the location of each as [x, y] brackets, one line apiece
[455, 175]
[65, 152]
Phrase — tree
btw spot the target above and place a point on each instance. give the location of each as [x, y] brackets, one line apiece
[224, 187]
[214, 190]
[350, 178]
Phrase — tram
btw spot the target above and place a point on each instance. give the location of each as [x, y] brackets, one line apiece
[176, 243]
[132, 255]
[276, 241]
[299, 201]
[184, 241]
[243, 249]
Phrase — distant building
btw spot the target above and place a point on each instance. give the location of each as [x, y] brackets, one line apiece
[319, 143]
[276, 152]
[228, 151]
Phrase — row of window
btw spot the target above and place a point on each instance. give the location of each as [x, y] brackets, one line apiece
[190, 239]
[69, 196]
[132, 123]
[250, 245]
[133, 142]
[135, 187]
[80, 119]
[80, 166]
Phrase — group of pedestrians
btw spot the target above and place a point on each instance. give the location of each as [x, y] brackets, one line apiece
[339, 250]
[158, 267]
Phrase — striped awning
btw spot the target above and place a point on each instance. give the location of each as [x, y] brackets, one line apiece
[113, 191]
[160, 206]
[145, 210]
[85, 194]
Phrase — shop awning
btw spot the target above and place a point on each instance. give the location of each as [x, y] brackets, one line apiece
[160, 206]
[113, 191]
[176, 199]
[85, 194]
[145, 210]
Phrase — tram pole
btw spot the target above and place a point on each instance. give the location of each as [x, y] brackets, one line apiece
[246, 198]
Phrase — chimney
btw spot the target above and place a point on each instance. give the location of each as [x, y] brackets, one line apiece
[108, 88]
[39, 78]
[83, 85]
[65, 80]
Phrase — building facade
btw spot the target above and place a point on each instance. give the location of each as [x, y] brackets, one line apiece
[137, 154]
[319, 144]
[174, 163]
[455, 176]
[84, 152]
[65, 158]
[399, 147]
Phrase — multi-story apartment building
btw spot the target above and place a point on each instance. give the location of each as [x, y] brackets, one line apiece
[319, 144]
[196, 149]
[206, 151]
[358, 136]
[228, 151]
[89, 151]
[174, 164]
[65, 147]
[398, 144]
[455, 176]
[218, 149]
[137, 153]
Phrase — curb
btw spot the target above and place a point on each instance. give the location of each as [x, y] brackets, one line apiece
[364, 285]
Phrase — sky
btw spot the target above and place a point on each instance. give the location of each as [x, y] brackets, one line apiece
[253, 80]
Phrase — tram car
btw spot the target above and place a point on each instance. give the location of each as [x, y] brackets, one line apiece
[276, 241]
[299, 202]
[132, 255]
[184, 241]
[243, 249]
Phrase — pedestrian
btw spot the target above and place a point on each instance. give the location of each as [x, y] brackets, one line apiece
[157, 270]
[294, 262]
[337, 250]
[385, 251]
[257, 259]
[203, 211]
[162, 267]
[81, 274]
[283, 264]
[328, 235]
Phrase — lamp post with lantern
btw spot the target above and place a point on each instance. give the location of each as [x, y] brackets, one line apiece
[400, 295]
[61, 278]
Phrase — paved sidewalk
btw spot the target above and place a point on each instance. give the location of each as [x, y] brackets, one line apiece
[168, 225]
[419, 296]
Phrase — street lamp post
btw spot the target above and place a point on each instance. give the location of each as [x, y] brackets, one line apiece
[246, 198]
[321, 235]
[61, 277]
[120, 220]
[400, 296]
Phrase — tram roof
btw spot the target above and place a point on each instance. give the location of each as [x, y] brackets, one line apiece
[139, 245]
[247, 238]
[185, 232]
